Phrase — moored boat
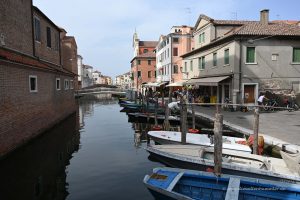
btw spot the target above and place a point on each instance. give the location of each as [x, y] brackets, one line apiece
[174, 137]
[233, 162]
[170, 184]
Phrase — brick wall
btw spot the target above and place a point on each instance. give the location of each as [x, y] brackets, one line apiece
[16, 25]
[42, 51]
[24, 115]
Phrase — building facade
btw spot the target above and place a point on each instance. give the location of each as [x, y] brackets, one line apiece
[36, 91]
[143, 68]
[87, 76]
[239, 59]
[169, 65]
[69, 54]
[97, 77]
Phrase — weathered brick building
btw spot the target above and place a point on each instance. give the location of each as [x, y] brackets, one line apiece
[69, 54]
[36, 92]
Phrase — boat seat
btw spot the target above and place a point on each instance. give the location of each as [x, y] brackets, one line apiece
[233, 189]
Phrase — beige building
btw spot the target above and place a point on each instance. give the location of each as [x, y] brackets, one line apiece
[239, 59]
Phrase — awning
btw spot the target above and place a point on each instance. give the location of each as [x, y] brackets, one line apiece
[210, 81]
[154, 84]
[176, 84]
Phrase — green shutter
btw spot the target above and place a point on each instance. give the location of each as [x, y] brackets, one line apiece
[203, 62]
[203, 37]
[200, 38]
[191, 67]
[250, 55]
[296, 55]
[185, 68]
[215, 59]
[199, 63]
[226, 57]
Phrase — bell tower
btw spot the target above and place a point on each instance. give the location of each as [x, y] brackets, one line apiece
[135, 44]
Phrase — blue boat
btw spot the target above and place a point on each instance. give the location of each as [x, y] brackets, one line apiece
[171, 183]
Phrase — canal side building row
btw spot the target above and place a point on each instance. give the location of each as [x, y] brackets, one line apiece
[229, 59]
[36, 89]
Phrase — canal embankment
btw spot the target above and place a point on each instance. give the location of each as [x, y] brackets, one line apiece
[279, 128]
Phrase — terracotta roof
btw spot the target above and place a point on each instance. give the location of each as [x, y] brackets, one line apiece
[286, 21]
[278, 29]
[148, 43]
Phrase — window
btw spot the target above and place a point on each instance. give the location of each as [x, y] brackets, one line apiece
[149, 62]
[191, 65]
[155, 74]
[201, 63]
[215, 62]
[296, 55]
[274, 57]
[149, 74]
[66, 84]
[168, 53]
[138, 62]
[58, 84]
[33, 83]
[48, 37]
[37, 29]
[175, 40]
[250, 55]
[226, 56]
[202, 38]
[175, 69]
[71, 84]
[175, 51]
[185, 67]
[145, 51]
[139, 74]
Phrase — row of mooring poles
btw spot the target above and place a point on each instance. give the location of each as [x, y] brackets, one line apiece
[218, 131]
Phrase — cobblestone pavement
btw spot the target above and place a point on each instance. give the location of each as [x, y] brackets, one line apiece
[283, 125]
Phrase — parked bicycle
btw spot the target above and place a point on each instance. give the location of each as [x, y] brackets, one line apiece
[270, 105]
[291, 105]
[227, 105]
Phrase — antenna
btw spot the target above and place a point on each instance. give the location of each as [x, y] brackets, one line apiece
[188, 12]
[234, 15]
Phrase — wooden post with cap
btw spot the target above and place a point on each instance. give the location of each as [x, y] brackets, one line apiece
[183, 120]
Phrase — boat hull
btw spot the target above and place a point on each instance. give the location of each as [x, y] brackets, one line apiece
[179, 163]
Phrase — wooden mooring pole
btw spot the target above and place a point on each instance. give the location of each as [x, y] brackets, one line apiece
[166, 121]
[218, 143]
[255, 131]
[193, 114]
[155, 108]
[170, 95]
[183, 120]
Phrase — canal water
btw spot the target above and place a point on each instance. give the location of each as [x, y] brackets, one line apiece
[94, 154]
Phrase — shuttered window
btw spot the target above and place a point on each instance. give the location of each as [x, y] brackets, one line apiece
[226, 57]
[215, 59]
[250, 55]
[296, 55]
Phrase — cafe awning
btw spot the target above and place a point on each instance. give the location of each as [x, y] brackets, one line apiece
[210, 81]
[177, 84]
[154, 84]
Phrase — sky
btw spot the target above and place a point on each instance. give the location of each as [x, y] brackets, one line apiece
[104, 28]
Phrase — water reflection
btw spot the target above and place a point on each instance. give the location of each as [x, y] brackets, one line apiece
[37, 171]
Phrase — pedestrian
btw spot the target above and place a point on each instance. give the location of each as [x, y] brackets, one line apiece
[261, 99]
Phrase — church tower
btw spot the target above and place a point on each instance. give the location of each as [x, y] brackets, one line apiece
[135, 44]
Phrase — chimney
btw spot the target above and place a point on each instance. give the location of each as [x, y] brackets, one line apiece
[264, 17]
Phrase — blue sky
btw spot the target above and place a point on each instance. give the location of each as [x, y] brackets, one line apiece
[103, 28]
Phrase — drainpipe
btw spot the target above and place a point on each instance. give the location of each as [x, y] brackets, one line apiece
[32, 28]
[240, 69]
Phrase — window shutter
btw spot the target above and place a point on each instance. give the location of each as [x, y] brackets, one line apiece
[296, 55]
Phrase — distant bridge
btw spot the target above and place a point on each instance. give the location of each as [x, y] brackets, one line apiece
[101, 90]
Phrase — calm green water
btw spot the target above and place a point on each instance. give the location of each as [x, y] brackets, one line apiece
[94, 154]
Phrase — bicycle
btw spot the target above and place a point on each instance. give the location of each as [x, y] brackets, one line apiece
[270, 105]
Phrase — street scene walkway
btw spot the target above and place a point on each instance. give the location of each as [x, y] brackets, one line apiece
[282, 125]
